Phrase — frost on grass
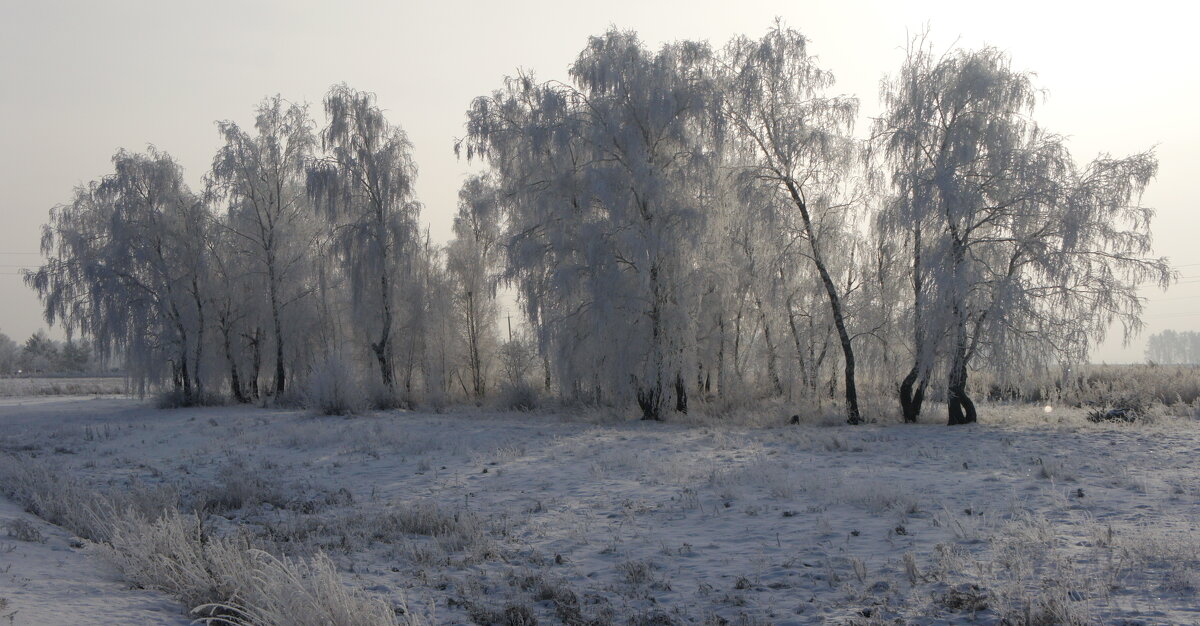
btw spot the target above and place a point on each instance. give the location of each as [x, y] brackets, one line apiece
[487, 517]
[226, 579]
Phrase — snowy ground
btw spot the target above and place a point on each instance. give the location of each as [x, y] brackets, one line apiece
[585, 520]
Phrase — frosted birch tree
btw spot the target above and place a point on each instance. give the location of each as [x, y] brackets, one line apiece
[904, 132]
[1030, 255]
[127, 268]
[262, 178]
[775, 101]
[364, 187]
[474, 259]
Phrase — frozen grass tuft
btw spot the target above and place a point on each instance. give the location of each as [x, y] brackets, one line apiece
[24, 530]
[60, 500]
[303, 592]
[239, 486]
[227, 579]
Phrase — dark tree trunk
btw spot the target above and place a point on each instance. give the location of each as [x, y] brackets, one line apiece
[176, 379]
[650, 398]
[835, 306]
[911, 399]
[961, 409]
[681, 398]
[280, 372]
[721, 356]
[235, 383]
[650, 401]
[187, 379]
[959, 406]
[383, 348]
[199, 358]
[255, 363]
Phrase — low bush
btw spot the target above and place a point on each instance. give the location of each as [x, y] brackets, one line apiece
[520, 396]
[333, 388]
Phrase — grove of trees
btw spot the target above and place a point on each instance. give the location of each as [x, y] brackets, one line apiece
[684, 226]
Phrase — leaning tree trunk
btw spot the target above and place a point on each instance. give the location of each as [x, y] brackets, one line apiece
[835, 305]
[839, 322]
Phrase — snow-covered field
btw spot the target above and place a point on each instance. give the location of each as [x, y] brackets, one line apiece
[585, 519]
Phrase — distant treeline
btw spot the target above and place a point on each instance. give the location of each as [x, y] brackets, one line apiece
[41, 355]
[1174, 348]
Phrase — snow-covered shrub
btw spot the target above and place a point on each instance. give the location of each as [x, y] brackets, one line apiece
[519, 396]
[378, 396]
[170, 399]
[294, 397]
[333, 388]
[176, 399]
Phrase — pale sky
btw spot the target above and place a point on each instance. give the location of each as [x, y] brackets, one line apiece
[80, 79]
